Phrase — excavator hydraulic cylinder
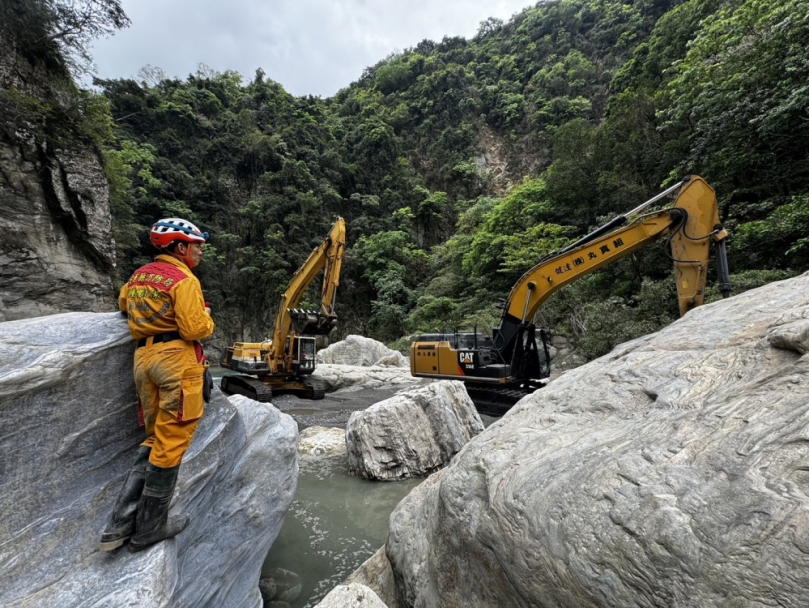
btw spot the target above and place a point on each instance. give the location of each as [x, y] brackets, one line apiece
[722, 268]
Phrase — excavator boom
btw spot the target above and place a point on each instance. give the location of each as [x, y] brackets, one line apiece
[692, 224]
[328, 256]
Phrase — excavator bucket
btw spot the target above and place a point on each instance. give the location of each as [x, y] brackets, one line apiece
[311, 322]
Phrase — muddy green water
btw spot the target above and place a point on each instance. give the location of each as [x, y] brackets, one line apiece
[335, 523]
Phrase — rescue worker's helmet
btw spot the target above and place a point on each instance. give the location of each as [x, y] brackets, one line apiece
[166, 231]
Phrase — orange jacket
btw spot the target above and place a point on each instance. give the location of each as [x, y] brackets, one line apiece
[164, 296]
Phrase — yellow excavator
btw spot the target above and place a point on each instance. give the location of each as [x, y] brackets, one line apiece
[499, 370]
[285, 362]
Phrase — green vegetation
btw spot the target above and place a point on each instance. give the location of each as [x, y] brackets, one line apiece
[458, 164]
[54, 34]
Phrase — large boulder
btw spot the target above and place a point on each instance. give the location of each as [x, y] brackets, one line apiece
[359, 350]
[67, 407]
[670, 472]
[395, 359]
[338, 376]
[413, 433]
[280, 585]
[376, 574]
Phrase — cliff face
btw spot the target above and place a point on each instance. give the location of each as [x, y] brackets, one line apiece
[56, 250]
[670, 472]
[67, 407]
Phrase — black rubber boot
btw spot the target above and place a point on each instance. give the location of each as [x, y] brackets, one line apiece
[152, 523]
[121, 522]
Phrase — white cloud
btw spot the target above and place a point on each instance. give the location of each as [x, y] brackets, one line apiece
[310, 46]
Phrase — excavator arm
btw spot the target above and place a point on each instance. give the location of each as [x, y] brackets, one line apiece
[290, 353]
[691, 224]
[329, 258]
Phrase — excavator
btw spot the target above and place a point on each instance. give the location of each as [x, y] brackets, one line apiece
[284, 363]
[500, 369]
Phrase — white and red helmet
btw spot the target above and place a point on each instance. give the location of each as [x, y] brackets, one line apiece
[166, 231]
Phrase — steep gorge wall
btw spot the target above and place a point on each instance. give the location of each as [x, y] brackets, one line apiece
[56, 246]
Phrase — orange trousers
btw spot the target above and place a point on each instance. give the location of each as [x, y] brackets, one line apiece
[169, 382]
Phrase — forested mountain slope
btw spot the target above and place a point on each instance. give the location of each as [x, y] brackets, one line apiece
[458, 164]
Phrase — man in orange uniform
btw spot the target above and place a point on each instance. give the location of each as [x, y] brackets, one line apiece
[167, 316]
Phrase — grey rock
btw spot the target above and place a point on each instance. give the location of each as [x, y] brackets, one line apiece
[56, 245]
[68, 405]
[56, 250]
[670, 472]
[413, 433]
[354, 595]
[377, 574]
[287, 584]
[276, 604]
[396, 359]
[559, 341]
[322, 441]
[408, 547]
[339, 377]
[359, 350]
[266, 587]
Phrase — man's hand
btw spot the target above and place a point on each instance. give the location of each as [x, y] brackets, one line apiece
[207, 309]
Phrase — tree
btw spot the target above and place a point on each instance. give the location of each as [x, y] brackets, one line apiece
[151, 75]
[489, 26]
[740, 99]
[57, 32]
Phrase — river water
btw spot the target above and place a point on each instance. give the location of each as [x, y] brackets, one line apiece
[335, 523]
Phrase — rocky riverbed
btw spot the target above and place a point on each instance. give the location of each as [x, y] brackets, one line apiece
[670, 472]
[335, 408]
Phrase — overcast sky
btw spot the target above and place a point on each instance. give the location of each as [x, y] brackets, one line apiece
[310, 46]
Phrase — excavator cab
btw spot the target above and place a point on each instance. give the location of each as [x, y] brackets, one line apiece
[544, 342]
[303, 355]
[247, 358]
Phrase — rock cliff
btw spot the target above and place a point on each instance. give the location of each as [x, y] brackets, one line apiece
[67, 407]
[56, 250]
[670, 472]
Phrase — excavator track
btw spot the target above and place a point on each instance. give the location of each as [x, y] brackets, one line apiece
[496, 401]
[248, 386]
[315, 389]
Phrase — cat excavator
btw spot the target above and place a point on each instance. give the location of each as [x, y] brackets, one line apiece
[500, 369]
[285, 362]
